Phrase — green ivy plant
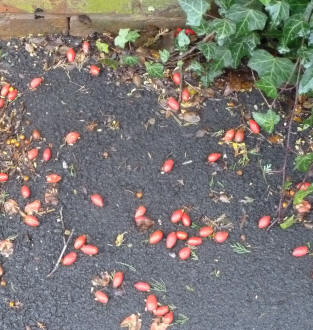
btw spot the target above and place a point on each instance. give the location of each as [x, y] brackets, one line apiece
[285, 28]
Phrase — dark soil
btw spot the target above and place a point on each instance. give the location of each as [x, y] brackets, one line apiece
[265, 289]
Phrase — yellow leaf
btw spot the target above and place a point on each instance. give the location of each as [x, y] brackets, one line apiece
[119, 239]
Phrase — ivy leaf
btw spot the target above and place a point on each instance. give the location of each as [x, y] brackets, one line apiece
[303, 162]
[252, 40]
[182, 40]
[164, 55]
[294, 27]
[301, 194]
[212, 73]
[130, 60]
[266, 120]
[222, 59]
[208, 50]
[194, 10]
[276, 68]
[196, 67]
[102, 47]
[224, 5]
[206, 79]
[306, 55]
[110, 63]
[306, 82]
[265, 2]
[132, 36]
[204, 28]
[278, 11]
[254, 4]
[154, 70]
[247, 19]
[124, 36]
[239, 50]
[297, 6]
[223, 29]
[266, 85]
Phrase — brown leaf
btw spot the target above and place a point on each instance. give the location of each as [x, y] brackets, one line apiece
[132, 322]
[228, 90]
[243, 220]
[51, 196]
[90, 127]
[208, 92]
[137, 80]
[10, 207]
[102, 280]
[220, 197]
[143, 223]
[6, 248]
[275, 138]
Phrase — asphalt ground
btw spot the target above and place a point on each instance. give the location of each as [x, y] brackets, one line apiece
[264, 289]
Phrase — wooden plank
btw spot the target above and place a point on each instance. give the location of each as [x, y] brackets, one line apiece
[18, 25]
[112, 23]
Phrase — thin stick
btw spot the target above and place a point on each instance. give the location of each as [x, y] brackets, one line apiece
[61, 254]
[263, 96]
[287, 150]
[181, 82]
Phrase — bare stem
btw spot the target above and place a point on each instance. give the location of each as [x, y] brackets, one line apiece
[287, 150]
[61, 254]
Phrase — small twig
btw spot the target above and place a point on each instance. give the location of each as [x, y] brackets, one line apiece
[208, 37]
[61, 254]
[62, 222]
[181, 82]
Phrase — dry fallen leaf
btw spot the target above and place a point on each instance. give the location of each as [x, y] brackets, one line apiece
[51, 196]
[132, 322]
[11, 207]
[119, 239]
[29, 48]
[137, 80]
[102, 280]
[220, 197]
[90, 127]
[275, 138]
[243, 220]
[190, 117]
[208, 92]
[6, 248]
